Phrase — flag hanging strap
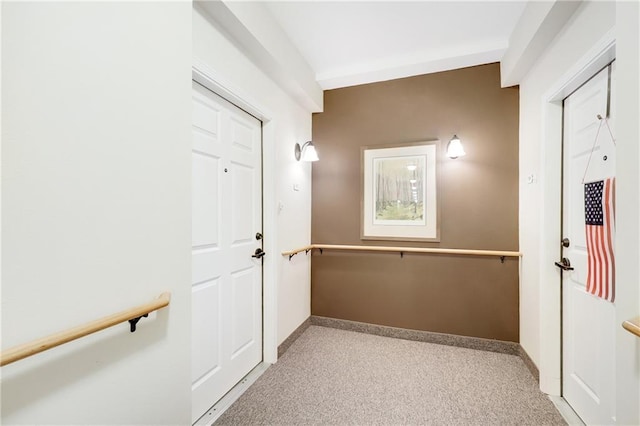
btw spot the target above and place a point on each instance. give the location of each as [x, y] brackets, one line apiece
[606, 122]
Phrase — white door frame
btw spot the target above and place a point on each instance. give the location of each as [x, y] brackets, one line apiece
[208, 77]
[550, 315]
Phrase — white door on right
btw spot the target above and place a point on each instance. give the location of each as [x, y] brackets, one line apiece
[588, 321]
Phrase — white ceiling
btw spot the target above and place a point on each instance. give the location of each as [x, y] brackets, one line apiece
[350, 43]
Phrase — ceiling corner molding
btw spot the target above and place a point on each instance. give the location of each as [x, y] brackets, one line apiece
[262, 40]
[539, 24]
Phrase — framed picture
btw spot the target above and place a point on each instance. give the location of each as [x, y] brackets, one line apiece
[400, 192]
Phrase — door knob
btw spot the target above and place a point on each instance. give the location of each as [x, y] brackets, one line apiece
[259, 254]
[565, 242]
[564, 264]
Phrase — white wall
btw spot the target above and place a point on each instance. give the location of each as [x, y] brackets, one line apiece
[270, 47]
[96, 208]
[539, 24]
[628, 210]
[96, 202]
[288, 123]
[585, 34]
[587, 26]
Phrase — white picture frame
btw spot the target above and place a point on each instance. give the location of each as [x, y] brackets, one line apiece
[400, 197]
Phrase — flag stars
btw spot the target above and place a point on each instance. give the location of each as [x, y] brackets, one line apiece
[593, 203]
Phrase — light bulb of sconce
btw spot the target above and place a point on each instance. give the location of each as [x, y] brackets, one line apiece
[309, 153]
[455, 148]
[306, 152]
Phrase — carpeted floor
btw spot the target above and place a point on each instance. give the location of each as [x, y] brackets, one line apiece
[337, 377]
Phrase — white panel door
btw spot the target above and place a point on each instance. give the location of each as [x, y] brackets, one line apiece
[226, 216]
[588, 322]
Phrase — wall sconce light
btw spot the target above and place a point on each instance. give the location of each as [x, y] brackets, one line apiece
[454, 148]
[306, 152]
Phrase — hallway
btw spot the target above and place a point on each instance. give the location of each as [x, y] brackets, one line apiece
[331, 376]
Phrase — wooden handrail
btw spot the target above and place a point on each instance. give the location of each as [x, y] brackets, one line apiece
[632, 326]
[298, 250]
[40, 345]
[292, 253]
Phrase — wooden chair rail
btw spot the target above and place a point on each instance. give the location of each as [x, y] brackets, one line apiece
[402, 250]
[40, 345]
[632, 326]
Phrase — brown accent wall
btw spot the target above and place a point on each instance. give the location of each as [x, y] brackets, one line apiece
[470, 296]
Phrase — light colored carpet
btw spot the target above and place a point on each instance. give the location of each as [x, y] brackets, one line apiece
[337, 377]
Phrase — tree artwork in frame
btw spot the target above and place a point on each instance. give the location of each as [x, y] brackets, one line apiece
[400, 192]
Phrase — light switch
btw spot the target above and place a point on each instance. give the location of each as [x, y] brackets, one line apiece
[296, 187]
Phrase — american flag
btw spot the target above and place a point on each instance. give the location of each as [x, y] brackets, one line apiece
[599, 219]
